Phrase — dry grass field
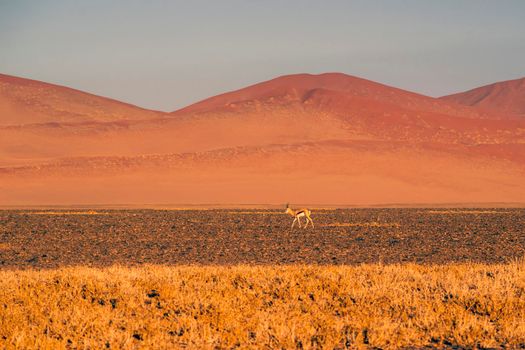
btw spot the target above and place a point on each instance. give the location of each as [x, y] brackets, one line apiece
[270, 307]
[225, 279]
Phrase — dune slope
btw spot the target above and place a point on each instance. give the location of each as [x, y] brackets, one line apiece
[506, 97]
[26, 101]
[328, 138]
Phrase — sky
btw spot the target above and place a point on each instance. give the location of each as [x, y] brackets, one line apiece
[165, 55]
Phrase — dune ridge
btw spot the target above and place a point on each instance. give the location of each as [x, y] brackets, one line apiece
[504, 97]
[306, 138]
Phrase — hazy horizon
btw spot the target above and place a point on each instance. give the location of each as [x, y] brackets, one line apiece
[166, 55]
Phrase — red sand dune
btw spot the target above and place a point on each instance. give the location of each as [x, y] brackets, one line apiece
[506, 97]
[304, 89]
[25, 101]
[328, 138]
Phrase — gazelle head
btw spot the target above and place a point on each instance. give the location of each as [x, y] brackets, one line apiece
[289, 210]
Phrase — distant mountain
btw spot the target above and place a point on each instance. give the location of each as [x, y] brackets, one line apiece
[506, 97]
[327, 91]
[328, 138]
[339, 106]
[26, 101]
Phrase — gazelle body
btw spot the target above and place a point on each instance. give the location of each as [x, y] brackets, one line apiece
[299, 214]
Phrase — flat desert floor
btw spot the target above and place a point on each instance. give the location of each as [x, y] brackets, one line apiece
[98, 238]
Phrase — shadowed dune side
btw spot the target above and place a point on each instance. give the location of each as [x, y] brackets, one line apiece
[503, 97]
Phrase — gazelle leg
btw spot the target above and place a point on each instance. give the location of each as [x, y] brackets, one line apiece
[299, 221]
[306, 218]
[311, 221]
[293, 223]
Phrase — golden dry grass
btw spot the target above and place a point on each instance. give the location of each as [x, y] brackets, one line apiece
[264, 307]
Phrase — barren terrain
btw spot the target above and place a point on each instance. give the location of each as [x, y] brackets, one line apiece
[50, 239]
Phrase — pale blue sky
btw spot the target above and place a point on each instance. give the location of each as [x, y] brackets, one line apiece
[167, 54]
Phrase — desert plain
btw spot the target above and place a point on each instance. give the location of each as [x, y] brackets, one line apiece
[47, 239]
[424, 250]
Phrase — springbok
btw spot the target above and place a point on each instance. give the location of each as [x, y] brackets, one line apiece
[299, 213]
